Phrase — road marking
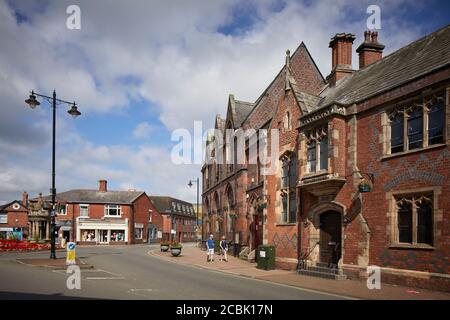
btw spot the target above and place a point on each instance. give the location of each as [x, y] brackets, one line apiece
[255, 279]
[105, 278]
[113, 276]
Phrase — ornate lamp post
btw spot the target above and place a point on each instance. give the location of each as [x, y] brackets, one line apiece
[198, 184]
[73, 111]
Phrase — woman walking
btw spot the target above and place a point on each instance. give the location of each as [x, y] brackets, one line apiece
[223, 249]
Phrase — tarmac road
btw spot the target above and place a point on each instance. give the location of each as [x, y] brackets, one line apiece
[129, 272]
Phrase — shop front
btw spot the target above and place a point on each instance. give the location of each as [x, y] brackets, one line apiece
[93, 231]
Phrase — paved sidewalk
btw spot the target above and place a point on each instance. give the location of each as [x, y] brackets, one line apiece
[350, 288]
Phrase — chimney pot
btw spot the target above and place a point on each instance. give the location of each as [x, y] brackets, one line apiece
[375, 37]
[102, 185]
[370, 50]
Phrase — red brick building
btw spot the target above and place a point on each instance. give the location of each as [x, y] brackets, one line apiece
[14, 219]
[384, 128]
[103, 216]
[178, 219]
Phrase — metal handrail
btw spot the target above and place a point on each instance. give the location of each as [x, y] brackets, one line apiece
[304, 257]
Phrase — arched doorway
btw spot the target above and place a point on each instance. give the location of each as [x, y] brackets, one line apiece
[254, 222]
[330, 237]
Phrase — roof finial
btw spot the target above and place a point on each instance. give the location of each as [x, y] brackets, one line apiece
[288, 69]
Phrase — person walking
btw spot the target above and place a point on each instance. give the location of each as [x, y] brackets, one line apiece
[210, 249]
[223, 249]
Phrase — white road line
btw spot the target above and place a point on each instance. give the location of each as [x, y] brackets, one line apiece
[104, 278]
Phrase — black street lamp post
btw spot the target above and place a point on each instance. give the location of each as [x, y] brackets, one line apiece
[198, 186]
[73, 111]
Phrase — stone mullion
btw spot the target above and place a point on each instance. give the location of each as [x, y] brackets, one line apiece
[414, 221]
[425, 111]
[405, 131]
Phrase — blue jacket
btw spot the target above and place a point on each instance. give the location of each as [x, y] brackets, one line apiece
[224, 244]
[210, 243]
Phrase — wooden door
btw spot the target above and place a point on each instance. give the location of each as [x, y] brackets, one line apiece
[330, 237]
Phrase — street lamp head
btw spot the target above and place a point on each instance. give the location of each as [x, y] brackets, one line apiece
[190, 183]
[31, 101]
[74, 111]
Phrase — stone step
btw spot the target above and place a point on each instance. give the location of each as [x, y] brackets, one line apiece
[323, 275]
[324, 269]
[326, 265]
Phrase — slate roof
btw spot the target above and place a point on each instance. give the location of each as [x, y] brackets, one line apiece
[417, 59]
[241, 110]
[307, 102]
[220, 123]
[95, 196]
[6, 205]
[164, 205]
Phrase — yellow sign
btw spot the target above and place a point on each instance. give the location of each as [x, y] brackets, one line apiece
[70, 253]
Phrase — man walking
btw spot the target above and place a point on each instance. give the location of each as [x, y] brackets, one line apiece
[210, 249]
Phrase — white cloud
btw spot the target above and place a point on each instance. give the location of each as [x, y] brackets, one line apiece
[142, 130]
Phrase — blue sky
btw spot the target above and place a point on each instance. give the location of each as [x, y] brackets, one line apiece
[140, 69]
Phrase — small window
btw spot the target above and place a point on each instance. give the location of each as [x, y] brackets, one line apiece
[293, 172]
[138, 233]
[84, 210]
[112, 210]
[415, 220]
[312, 156]
[62, 209]
[415, 129]
[397, 133]
[284, 200]
[323, 154]
[405, 223]
[287, 121]
[3, 218]
[292, 207]
[424, 223]
[285, 177]
[436, 121]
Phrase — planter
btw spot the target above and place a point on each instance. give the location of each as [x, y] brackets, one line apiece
[175, 251]
[164, 247]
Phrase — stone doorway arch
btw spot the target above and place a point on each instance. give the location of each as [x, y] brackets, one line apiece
[317, 232]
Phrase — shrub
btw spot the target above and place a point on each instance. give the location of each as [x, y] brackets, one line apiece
[176, 245]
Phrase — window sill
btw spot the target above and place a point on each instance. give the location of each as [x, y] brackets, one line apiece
[285, 224]
[112, 216]
[310, 175]
[411, 246]
[399, 154]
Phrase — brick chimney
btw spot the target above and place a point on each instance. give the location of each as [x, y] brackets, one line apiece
[370, 50]
[25, 199]
[102, 185]
[341, 54]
